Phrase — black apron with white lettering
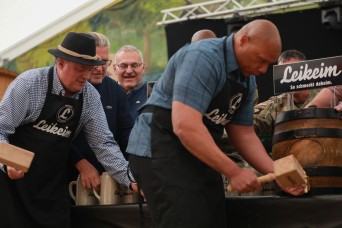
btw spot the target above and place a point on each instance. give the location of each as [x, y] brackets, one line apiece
[42, 193]
[188, 193]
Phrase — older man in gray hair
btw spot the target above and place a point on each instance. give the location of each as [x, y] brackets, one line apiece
[129, 68]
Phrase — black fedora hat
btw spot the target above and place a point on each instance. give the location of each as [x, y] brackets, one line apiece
[78, 48]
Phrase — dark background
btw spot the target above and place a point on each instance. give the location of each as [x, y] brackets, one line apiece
[301, 30]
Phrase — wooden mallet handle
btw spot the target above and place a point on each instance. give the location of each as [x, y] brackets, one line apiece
[262, 179]
[267, 178]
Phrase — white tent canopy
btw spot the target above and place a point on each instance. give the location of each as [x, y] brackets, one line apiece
[25, 24]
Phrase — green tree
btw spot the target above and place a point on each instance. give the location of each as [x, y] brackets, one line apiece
[135, 22]
[128, 22]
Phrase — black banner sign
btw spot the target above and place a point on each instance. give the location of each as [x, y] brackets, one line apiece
[309, 74]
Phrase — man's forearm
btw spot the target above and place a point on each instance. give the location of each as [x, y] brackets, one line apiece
[324, 99]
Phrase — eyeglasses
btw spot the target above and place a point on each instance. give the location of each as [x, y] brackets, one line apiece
[124, 66]
[108, 62]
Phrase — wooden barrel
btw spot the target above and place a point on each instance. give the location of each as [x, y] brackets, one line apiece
[314, 137]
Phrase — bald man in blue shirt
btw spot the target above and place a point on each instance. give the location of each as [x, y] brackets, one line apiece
[207, 86]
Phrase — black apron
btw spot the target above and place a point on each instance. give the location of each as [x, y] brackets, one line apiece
[41, 197]
[188, 193]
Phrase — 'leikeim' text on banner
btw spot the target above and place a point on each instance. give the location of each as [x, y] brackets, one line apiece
[309, 74]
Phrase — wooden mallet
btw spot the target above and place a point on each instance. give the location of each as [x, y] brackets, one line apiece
[287, 171]
[15, 157]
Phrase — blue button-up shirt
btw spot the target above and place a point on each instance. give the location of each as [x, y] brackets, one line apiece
[193, 76]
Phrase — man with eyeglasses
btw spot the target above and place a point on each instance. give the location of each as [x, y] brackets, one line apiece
[42, 111]
[83, 161]
[129, 68]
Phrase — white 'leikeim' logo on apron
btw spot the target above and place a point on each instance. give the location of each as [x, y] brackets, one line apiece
[235, 103]
[65, 113]
[222, 118]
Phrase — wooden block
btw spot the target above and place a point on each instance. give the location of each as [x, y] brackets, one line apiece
[289, 172]
[15, 157]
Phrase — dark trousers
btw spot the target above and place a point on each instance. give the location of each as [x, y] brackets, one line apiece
[181, 191]
[11, 214]
[141, 170]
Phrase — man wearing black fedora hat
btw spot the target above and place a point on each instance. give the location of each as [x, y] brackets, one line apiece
[42, 111]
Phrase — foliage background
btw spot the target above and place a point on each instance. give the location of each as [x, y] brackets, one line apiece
[128, 22]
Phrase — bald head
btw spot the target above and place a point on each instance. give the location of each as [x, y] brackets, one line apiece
[263, 30]
[202, 34]
[256, 45]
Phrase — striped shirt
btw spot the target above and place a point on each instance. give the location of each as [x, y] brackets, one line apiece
[24, 100]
